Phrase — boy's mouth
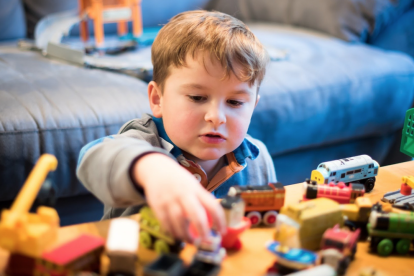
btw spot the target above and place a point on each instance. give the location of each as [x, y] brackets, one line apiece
[212, 138]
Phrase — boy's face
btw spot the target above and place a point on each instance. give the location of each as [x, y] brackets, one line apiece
[204, 114]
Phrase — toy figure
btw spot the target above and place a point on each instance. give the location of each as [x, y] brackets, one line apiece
[236, 222]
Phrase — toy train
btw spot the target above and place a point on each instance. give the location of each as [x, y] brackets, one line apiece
[362, 169]
[389, 230]
[262, 202]
[153, 237]
[339, 192]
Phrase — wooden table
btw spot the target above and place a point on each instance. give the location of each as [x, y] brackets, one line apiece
[254, 259]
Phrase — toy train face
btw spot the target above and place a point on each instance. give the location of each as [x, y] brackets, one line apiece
[340, 193]
[345, 170]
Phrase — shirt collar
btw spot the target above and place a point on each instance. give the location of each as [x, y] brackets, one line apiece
[247, 149]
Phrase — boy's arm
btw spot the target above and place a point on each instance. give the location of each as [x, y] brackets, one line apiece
[105, 164]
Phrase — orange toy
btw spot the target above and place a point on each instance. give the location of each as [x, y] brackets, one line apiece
[105, 11]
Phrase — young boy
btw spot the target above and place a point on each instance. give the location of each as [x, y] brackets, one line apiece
[208, 67]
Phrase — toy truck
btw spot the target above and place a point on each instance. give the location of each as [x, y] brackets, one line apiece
[338, 248]
[362, 169]
[391, 230]
[307, 222]
[122, 246]
[262, 202]
[152, 236]
[25, 233]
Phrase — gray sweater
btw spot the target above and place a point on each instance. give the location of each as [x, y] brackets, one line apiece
[104, 165]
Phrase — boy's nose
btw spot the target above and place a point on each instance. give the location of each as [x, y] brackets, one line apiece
[216, 116]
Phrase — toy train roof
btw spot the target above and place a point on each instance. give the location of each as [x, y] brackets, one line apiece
[347, 163]
[277, 185]
[73, 249]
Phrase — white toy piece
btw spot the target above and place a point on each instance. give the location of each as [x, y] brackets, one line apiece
[122, 246]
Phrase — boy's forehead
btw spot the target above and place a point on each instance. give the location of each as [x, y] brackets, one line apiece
[205, 62]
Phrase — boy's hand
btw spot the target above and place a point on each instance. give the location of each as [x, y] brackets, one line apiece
[176, 197]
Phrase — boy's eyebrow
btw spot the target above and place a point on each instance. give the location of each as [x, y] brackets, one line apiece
[201, 87]
[194, 86]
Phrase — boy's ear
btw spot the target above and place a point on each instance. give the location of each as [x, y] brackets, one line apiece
[257, 100]
[154, 96]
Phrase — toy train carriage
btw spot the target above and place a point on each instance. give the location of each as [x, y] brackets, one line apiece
[360, 168]
[80, 254]
[340, 193]
[262, 201]
[153, 237]
[389, 230]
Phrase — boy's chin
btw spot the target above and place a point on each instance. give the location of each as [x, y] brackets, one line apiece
[209, 155]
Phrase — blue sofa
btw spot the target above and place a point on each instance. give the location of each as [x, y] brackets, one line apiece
[329, 93]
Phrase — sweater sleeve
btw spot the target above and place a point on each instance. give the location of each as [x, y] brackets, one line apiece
[104, 167]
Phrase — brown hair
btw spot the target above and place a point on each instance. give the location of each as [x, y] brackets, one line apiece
[227, 39]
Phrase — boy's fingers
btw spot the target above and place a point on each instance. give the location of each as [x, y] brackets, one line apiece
[197, 215]
[215, 210]
[162, 217]
[178, 222]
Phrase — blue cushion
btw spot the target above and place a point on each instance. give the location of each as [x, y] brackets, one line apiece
[399, 36]
[328, 91]
[351, 20]
[50, 107]
[12, 20]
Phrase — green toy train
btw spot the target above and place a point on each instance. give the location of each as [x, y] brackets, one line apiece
[152, 236]
[391, 230]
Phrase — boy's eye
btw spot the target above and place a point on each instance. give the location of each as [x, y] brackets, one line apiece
[235, 103]
[197, 98]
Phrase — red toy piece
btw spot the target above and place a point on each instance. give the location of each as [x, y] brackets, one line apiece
[231, 239]
[340, 192]
[80, 254]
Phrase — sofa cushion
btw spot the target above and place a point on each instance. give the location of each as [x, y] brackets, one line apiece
[51, 107]
[12, 20]
[328, 91]
[351, 20]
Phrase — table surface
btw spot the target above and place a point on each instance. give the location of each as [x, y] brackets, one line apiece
[253, 258]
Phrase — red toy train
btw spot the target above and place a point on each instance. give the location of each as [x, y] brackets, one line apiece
[339, 192]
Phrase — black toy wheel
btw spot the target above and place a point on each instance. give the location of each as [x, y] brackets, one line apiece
[369, 184]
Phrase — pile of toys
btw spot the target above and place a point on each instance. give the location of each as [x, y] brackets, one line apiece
[318, 235]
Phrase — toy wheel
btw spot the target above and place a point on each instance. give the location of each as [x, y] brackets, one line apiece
[145, 239]
[255, 218]
[369, 184]
[343, 266]
[403, 246]
[270, 218]
[161, 247]
[354, 250]
[385, 247]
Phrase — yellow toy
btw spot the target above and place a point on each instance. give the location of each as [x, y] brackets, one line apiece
[309, 219]
[23, 232]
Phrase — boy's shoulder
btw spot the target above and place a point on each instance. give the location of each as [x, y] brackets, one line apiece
[145, 123]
